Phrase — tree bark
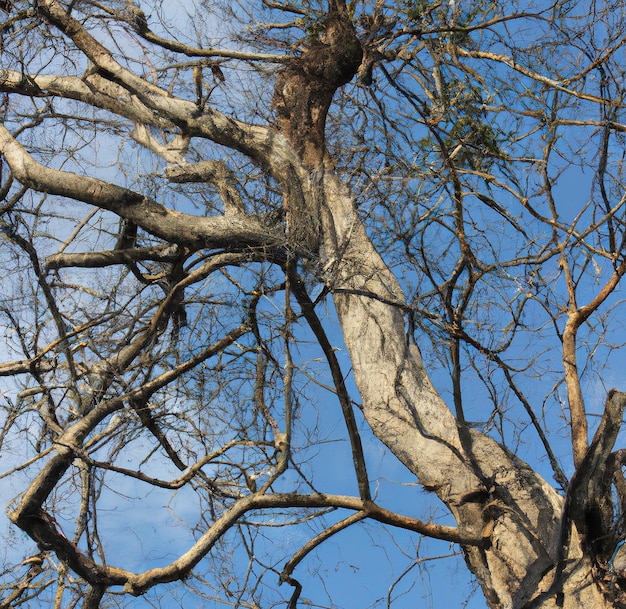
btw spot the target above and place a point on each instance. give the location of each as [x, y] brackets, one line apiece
[489, 491]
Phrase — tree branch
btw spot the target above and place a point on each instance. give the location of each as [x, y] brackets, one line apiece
[535, 76]
[260, 143]
[213, 172]
[358, 459]
[139, 584]
[176, 227]
[92, 260]
[576, 317]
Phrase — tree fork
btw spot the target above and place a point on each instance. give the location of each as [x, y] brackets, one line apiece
[303, 93]
[305, 87]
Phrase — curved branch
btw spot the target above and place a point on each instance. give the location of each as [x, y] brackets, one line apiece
[137, 19]
[188, 474]
[170, 225]
[138, 584]
[296, 559]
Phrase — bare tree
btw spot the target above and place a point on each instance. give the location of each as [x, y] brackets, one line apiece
[192, 194]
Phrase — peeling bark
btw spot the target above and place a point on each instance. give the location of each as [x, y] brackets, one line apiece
[303, 93]
[305, 88]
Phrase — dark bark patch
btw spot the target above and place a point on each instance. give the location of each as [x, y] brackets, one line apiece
[305, 88]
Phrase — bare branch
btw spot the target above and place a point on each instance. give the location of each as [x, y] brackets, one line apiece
[154, 218]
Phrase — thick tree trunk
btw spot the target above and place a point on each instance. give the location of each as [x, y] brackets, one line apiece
[529, 558]
[488, 490]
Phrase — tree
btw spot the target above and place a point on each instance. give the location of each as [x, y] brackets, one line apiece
[191, 194]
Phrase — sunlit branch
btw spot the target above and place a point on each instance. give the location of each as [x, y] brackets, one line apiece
[593, 227]
[451, 28]
[287, 7]
[173, 151]
[619, 127]
[26, 583]
[142, 408]
[170, 225]
[559, 475]
[213, 172]
[28, 463]
[26, 366]
[156, 253]
[555, 84]
[192, 51]
[30, 250]
[39, 525]
[601, 59]
[576, 317]
[152, 386]
[93, 90]
[281, 439]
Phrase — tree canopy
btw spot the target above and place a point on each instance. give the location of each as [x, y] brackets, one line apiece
[260, 257]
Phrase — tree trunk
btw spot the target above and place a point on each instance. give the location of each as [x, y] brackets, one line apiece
[531, 555]
[537, 549]
[488, 490]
